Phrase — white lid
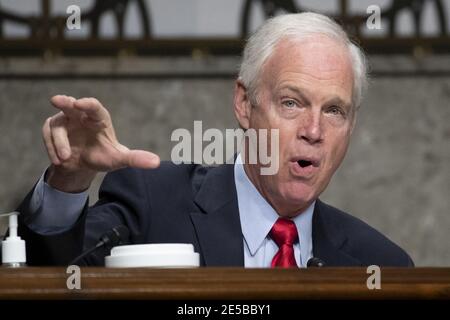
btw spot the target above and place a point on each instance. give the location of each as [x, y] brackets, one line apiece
[160, 255]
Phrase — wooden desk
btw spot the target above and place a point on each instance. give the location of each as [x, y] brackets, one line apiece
[225, 283]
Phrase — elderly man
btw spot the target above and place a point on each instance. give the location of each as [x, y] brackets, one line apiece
[301, 75]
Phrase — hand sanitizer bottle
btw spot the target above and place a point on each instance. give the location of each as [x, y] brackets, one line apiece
[13, 247]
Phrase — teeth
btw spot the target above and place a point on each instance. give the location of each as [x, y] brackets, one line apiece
[304, 163]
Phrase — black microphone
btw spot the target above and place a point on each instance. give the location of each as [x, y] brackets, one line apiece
[315, 262]
[109, 239]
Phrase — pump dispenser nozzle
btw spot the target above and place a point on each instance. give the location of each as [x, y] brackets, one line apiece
[13, 247]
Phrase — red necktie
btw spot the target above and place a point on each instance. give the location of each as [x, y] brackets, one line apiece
[284, 233]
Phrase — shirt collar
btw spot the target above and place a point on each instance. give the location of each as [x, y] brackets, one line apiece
[257, 215]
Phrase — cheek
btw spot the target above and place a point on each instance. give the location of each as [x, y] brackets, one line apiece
[287, 132]
[338, 152]
[260, 120]
[287, 140]
[265, 115]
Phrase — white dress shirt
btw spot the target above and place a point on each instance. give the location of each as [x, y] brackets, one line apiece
[257, 218]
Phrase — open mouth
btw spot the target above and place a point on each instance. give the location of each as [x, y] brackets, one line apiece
[305, 166]
[304, 163]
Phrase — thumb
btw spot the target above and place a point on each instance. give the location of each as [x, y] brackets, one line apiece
[142, 159]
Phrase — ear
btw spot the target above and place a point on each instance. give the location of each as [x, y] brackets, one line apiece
[242, 105]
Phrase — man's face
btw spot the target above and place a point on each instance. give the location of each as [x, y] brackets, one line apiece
[305, 91]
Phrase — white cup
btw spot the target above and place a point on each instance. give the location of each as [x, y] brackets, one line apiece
[160, 255]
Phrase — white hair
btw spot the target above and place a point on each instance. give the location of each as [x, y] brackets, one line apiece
[262, 43]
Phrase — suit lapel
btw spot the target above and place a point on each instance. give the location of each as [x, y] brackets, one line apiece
[329, 240]
[217, 222]
[219, 232]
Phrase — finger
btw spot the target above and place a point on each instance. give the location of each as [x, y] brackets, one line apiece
[46, 135]
[142, 159]
[65, 104]
[92, 124]
[93, 108]
[60, 138]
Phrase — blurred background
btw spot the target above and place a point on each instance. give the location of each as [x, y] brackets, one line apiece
[158, 65]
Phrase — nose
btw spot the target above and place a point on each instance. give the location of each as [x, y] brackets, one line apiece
[311, 129]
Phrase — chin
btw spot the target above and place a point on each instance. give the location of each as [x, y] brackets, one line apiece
[298, 194]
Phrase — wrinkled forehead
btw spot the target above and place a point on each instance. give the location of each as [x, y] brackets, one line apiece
[318, 52]
[318, 57]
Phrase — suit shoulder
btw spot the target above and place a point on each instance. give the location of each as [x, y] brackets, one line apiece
[365, 242]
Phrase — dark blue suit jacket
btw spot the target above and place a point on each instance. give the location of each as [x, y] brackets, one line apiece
[198, 205]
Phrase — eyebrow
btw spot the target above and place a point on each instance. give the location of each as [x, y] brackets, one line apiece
[335, 100]
[297, 91]
[340, 102]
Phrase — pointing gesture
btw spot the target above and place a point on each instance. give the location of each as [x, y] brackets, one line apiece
[80, 141]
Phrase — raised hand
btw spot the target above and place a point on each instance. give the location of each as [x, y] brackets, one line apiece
[81, 141]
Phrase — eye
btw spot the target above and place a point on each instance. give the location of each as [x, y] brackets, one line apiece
[289, 104]
[336, 111]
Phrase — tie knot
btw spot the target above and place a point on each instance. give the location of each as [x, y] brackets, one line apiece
[284, 232]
